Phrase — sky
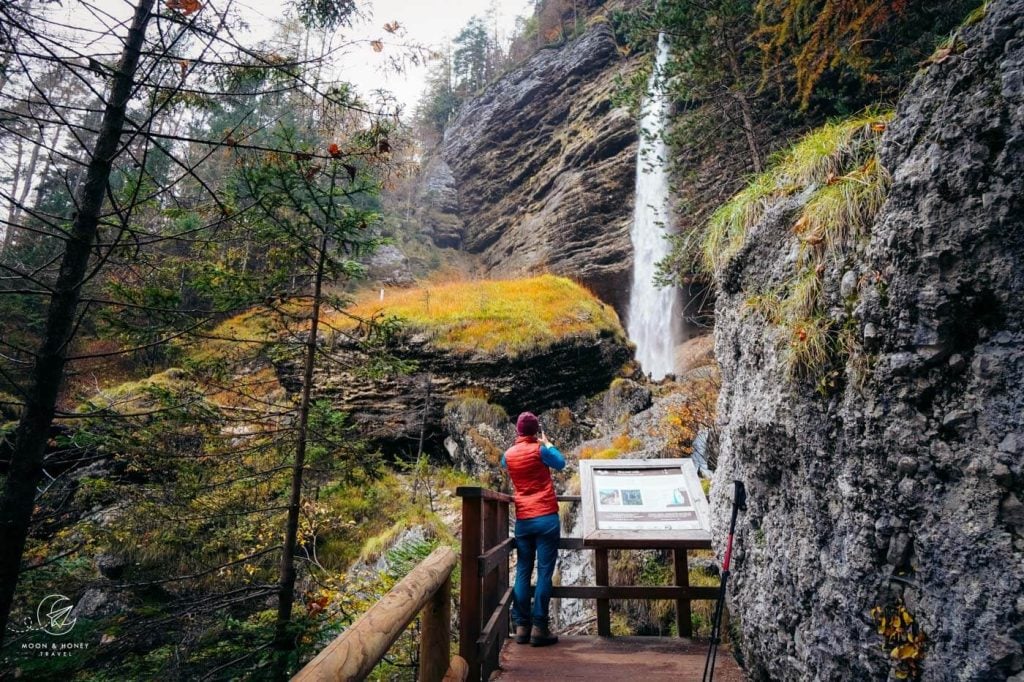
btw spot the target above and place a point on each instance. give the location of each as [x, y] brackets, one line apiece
[430, 23]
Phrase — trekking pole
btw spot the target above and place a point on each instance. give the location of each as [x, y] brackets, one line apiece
[739, 501]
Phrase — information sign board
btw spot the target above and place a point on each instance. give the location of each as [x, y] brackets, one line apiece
[642, 500]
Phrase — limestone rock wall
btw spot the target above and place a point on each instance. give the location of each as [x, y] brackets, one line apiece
[437, 202]
[543, 165]
[907, 481]
[389, 411]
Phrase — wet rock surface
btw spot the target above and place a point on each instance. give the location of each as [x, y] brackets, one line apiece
[388, 266]
[905, 481]
[544, 169]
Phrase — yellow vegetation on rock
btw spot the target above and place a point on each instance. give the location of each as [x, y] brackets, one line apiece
[903, 639]
[684, 421]
[237, 338]
[620, 445]
[511, 316]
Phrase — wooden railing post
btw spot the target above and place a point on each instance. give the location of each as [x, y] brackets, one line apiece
[470, 611]
[435, 634]
[490, 580]
[684, 621]
[485, 592]
[604, 620]
[503, 534]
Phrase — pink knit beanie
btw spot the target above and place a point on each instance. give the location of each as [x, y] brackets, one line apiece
[527, 424]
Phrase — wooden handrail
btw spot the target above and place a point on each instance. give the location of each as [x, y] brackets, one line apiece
[475, 491]
[354, 653]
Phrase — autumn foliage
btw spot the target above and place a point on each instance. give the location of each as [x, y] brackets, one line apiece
[866, 41]
[186, 7]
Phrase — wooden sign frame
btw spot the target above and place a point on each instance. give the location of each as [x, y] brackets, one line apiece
[691, 502]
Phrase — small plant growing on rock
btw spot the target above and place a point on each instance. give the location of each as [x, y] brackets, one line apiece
[903, 639]
[684, 423]
[839, 160]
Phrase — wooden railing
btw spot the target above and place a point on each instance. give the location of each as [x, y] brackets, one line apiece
[486, 594]
[356, 651]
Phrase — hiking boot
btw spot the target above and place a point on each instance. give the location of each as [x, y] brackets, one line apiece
[522, 634]
[541, 636]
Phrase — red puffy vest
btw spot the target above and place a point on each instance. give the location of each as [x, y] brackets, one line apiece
[531, 479]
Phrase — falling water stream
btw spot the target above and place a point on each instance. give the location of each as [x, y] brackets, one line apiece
[653, 312]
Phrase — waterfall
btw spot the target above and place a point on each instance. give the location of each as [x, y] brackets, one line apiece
[653, 312]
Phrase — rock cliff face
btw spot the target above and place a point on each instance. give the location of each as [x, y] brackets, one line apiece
[907, 484]
[543, 166]
[437, 204]
[392, 411]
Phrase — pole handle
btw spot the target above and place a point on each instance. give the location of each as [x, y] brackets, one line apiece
[739, 495]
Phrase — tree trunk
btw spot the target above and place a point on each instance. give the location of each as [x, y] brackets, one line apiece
[12, 211]
[28, 177]
[746, 111]
[284, 640]
[32, 434]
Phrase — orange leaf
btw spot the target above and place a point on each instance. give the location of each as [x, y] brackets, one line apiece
[333, 150]
[186, 7]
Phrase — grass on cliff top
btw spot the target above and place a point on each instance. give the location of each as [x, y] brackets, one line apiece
[839, 159]
[838, 165]
[511, 316]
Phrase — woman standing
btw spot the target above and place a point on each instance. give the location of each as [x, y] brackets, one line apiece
[537, 526]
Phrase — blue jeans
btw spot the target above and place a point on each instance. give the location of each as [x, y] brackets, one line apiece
[536, 537]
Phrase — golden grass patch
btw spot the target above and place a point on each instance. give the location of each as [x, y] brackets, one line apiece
[511, 316]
